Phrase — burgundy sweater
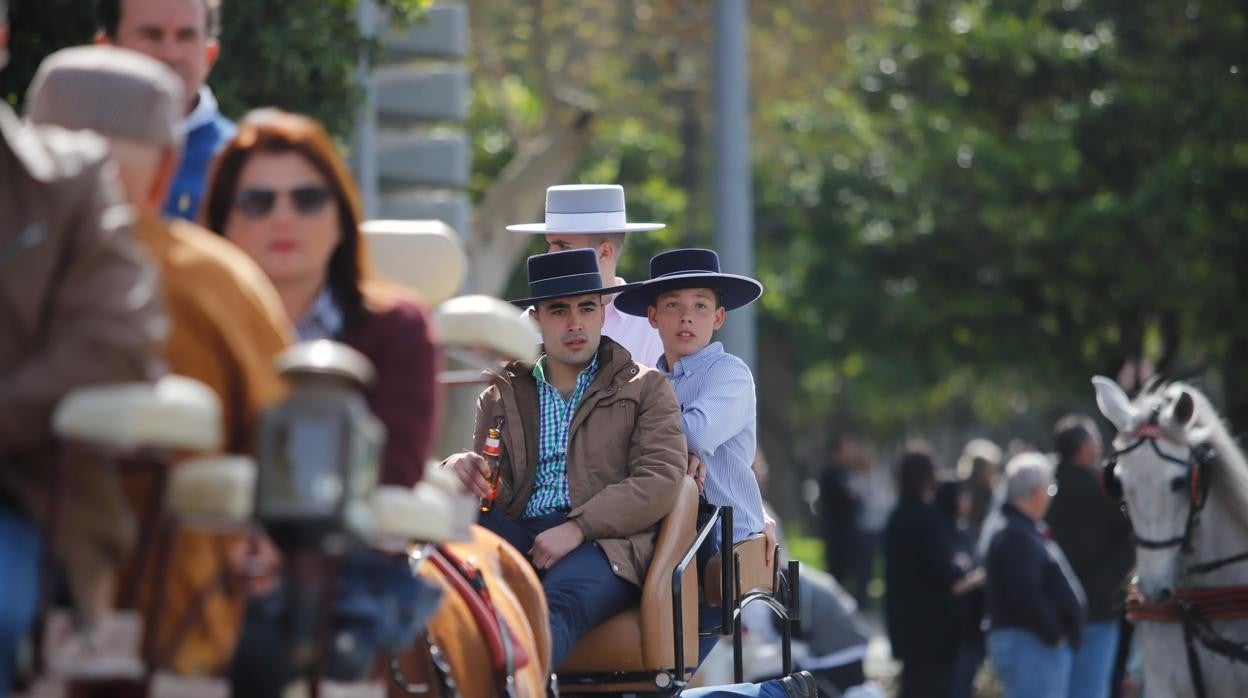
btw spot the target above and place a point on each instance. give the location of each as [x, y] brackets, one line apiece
[398, 339]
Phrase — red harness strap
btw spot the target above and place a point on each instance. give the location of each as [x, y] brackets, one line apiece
[1209, 604]
[468, 583]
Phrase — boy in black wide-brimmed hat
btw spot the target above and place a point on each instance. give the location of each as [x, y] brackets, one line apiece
[687, 299]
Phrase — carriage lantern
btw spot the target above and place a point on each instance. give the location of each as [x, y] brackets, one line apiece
[319, 448]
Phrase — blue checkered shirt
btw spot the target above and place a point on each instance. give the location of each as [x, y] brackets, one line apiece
[550, 485]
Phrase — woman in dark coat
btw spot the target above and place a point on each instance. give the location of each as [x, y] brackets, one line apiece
[953, 503]
[920, 576]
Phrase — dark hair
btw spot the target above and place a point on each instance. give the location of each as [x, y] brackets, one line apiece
[1070, 440]
[276, 131]
[916, 472]
[108, 13]
[946, 501]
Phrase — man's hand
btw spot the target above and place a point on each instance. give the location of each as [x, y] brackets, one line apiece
[472, 471]
[769, 532]
[553, 544]
[970, 581]
[697, 470]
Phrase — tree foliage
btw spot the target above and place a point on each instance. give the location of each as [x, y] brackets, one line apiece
[300, 55]
[1005, 198]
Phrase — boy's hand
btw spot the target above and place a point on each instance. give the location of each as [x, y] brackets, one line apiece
[769, 532]
[553, 544]
[472, 471]
[697, 470]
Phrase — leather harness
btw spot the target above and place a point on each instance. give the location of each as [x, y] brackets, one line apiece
[1195, 608]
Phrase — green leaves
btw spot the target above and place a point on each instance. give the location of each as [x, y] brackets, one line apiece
[1011, 197]
[300, 55]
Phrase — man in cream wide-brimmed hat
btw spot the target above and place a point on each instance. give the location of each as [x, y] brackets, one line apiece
[593, 216]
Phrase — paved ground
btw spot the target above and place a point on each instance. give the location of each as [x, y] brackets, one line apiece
[880, 665]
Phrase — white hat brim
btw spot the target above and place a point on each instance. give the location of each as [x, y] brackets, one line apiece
[541, 229]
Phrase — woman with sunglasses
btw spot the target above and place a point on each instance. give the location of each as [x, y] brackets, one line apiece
[282, 194]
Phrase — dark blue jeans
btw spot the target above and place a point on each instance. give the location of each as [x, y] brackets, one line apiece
[378, 605]
[581, 589]
[19, 588]
[709, 617]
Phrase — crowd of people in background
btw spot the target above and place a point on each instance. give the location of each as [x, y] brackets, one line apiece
[1013, 559]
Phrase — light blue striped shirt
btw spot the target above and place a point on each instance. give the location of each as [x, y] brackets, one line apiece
[718, 412]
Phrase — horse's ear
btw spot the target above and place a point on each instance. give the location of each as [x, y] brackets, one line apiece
[1113, 401]
[1183, 410]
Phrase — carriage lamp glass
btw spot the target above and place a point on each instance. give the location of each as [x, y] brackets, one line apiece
[319, 448]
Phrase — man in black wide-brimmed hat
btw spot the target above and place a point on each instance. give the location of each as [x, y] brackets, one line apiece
[592, 453]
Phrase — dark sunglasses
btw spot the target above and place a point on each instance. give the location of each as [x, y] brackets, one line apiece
[258, 202]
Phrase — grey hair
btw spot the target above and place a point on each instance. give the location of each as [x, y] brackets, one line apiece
[1026, 473]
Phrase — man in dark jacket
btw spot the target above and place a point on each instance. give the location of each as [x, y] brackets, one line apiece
[838, 510]
[919, 578]
[1035, 604]
[592, 453]
[1096, 539]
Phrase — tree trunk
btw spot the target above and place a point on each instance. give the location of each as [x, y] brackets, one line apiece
[518, 196]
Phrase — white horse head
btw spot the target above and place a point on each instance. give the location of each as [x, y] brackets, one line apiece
[1159, 446]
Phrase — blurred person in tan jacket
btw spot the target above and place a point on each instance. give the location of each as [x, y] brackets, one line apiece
[79, 305]
[227, 320]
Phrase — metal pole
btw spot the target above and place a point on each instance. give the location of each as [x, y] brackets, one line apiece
[733, 203]
[364, 158]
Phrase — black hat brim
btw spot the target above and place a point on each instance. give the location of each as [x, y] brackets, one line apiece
[608, 291]
[735, 291]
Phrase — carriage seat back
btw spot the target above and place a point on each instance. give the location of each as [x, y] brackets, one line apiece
[174, 412]
[753, 572]
[486, 324]
[641, 639]
[213, 491]
[424, 255]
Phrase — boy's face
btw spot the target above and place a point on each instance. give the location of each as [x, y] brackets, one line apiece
[571, 327]
[686, 318]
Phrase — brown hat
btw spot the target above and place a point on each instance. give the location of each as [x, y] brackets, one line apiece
[115, 92]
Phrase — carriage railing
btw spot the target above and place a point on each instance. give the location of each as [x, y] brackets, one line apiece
[723, 516]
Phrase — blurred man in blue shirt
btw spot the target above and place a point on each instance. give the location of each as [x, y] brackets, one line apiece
[182, 34]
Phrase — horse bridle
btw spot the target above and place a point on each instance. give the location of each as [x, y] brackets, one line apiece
[1196, 467]
[1196, 627]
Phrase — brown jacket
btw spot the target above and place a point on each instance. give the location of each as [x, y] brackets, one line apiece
[78, 306]
[227, 325]
[626, 453]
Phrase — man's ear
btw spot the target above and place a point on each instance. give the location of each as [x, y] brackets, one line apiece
[606, 252]
[213, 51]
[720, 316]
[652, 314]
